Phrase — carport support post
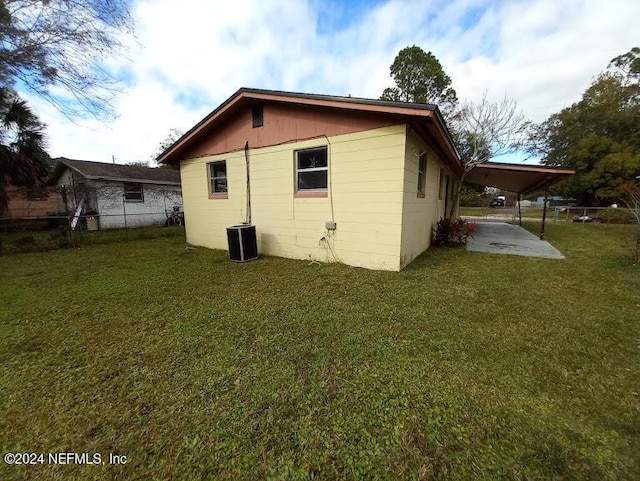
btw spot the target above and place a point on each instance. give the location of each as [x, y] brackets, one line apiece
[519, 210]
[544, 214]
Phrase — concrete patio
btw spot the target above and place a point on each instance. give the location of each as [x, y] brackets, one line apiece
[502, 238]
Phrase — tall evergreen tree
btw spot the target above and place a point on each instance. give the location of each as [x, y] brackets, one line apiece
[420, 78]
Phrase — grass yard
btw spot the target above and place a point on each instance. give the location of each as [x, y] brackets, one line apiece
[462, 366]
[604, 215]
[528, 212]
[61, 238]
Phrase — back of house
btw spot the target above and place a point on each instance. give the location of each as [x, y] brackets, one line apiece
[333, 179]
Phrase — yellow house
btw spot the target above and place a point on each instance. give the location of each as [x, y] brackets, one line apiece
[333, 179]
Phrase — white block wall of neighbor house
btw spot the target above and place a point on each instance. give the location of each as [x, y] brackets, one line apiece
[111, 206]
[69, 181]
[366, 171]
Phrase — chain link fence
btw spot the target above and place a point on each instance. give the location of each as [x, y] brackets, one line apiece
[59, 231]
[605, 215]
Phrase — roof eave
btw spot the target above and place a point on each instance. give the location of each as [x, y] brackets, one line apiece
[55, 175]
[133, 180]
[546, 176]
[347, 103]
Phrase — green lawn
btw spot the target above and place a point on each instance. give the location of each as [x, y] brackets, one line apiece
[609, 216]
[462, 366]
[529, 212]
[46, 240]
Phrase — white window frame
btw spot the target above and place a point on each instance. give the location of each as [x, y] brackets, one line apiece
[213, 178]
[312, 169]
[422, 173]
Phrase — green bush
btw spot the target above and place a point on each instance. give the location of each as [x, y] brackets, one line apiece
[615, 216]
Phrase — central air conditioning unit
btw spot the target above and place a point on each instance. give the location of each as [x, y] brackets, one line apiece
[243, 244]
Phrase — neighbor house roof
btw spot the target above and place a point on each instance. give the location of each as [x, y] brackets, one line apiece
[521, 179]
[115, 172]
[425, 119]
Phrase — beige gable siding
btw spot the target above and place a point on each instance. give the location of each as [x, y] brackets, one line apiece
[420, 214]
[365, 200]
[283, 124]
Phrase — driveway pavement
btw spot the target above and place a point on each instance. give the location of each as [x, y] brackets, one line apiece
[502, 238]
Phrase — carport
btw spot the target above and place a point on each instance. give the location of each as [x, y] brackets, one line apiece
[520, 179]
[502, 238]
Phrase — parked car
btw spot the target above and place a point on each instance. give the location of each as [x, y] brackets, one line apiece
[496, 203]
[586, 218]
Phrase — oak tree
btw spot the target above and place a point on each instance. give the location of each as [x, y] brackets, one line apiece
[597, 136]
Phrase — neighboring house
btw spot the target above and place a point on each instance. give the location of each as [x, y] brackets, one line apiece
[116, 195]
[553, 200]
[30, 202]
[356, 181]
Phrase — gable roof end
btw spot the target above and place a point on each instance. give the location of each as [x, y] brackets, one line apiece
[412, 113]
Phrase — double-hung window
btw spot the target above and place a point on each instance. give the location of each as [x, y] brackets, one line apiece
[312, 170]
[217, 178]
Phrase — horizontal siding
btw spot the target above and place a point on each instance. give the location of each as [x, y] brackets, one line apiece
[366, 182]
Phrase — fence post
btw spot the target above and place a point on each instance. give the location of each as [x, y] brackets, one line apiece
[544, 215]
[124, 211]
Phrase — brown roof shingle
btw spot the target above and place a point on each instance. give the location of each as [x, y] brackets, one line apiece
[117, 172]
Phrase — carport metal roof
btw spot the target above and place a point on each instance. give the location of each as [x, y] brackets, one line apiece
[521, 179]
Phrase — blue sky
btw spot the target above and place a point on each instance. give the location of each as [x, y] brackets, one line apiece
[189, 56]
[335, 15]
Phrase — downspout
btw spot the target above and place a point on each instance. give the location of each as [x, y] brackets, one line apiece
[246, 158]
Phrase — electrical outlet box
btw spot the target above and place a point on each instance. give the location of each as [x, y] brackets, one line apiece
[330, 225]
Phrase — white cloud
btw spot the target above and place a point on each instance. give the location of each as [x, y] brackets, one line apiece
[548, 52]
[190, 56]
